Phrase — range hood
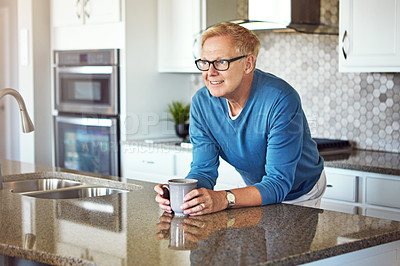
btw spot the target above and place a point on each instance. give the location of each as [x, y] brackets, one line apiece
[287, 15]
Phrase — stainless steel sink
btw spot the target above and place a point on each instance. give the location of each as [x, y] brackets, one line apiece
[63, 185]
[74, 193]
[39, 185]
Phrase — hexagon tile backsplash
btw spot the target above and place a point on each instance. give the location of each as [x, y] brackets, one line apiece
[361, 107]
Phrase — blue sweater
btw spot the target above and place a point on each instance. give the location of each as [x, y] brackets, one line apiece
[269, 143]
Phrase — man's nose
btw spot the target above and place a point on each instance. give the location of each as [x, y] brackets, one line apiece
[212, 69]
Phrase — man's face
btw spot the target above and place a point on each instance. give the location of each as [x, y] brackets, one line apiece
[222, 83]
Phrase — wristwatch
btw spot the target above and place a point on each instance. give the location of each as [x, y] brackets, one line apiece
[231, 198]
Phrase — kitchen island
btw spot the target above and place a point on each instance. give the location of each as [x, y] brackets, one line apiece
[129, 229]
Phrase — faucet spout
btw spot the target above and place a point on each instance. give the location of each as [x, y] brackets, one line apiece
[27, 125]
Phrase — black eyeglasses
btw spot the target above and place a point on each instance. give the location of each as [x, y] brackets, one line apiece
[220, 64]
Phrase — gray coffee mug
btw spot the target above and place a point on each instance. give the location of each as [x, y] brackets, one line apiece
[178, 188]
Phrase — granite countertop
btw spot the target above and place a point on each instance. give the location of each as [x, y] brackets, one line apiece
[368, 161]
[130, 229]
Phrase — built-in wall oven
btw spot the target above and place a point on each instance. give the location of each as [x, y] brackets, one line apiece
[87, 104]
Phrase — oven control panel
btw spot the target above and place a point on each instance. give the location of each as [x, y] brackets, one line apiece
[104, 57]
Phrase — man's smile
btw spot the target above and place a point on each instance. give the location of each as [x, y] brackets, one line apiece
[216, 82]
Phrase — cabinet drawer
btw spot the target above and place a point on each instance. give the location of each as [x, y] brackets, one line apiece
[384, 192]
[384, 214]
[338, 207]
[341, 187]
[149, 162]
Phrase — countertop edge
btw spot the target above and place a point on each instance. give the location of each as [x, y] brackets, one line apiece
[42, 257]
[338, 250]
[356, 167]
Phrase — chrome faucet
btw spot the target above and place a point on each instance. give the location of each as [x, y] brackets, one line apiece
[27, 125]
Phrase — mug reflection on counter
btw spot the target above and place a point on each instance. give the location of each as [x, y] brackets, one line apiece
[178, 240]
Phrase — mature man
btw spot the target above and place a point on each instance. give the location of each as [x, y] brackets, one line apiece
[254, 121]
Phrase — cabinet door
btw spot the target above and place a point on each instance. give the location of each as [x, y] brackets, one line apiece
[383, 192]
[369, 36]
[383, 213]
[102, 11]
[341, 186]
[66, 13]
[178, 25]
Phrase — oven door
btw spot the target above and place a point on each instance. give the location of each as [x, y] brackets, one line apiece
[87, 89]
[87, 144]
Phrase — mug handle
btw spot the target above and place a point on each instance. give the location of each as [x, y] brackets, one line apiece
[165, 189]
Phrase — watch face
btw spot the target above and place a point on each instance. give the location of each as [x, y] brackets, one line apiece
[231, 197]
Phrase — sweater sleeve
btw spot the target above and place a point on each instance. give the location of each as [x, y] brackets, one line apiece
[284, 149]
[205, 161]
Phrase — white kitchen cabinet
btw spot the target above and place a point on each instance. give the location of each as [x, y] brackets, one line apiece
[180, 24]
[341, 186]
[369, 36]
[360, 192]
[391, 214]
[383, 192]
[80, 12]
[182, 163]
[155, 164]
[152, 164]
[87, 24]
[333, 205]
[228, 177]
[66, 13]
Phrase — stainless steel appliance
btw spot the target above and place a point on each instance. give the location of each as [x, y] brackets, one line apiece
[87, 101]
[87, 81]
[334, 149]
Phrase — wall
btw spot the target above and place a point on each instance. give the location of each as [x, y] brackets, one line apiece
[148, 92]
[361, 107]
[9, 112]
[25, 66]
[34, 79]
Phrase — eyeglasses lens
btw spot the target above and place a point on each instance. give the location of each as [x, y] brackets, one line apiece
[220, 65]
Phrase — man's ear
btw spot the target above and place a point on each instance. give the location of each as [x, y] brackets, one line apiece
[250, 63]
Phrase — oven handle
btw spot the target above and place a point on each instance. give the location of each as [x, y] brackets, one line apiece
[86, 70]
[86, 121]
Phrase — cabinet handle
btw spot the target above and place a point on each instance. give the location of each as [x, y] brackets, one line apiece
[78, 13]
[329, 185]
[147, 162]
[343, 40]
[85, 9]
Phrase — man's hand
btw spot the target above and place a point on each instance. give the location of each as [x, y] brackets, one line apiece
[164, 203]
[202, 201]
[164, 226]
